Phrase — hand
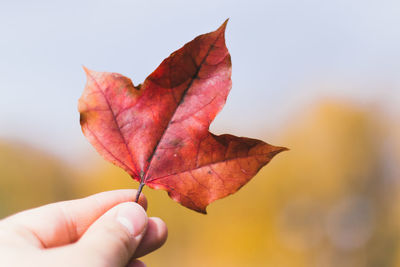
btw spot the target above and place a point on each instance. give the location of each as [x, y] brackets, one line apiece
[105, 229]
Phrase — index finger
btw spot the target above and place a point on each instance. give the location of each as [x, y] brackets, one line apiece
[64, 222]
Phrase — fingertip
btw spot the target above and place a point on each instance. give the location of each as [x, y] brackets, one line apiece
[133, 217]
[155, 236]
[143, 201]
[136, 263]
[160, 228]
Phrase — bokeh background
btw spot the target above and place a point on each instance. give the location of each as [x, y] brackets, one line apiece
[320, 77]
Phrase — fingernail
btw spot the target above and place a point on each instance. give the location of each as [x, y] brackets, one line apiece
[133, 217]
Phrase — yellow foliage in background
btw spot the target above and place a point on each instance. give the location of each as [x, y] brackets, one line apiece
[29, 178]
[329, 201]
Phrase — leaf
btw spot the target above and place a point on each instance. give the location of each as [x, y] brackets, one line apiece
[158, 131]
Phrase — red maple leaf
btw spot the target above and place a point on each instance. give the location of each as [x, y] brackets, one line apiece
[158, 132]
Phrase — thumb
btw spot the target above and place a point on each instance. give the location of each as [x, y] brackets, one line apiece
[114, 237]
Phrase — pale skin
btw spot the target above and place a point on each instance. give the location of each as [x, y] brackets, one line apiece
[106, 229]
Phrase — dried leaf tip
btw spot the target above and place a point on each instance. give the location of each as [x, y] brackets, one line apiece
[87, 71]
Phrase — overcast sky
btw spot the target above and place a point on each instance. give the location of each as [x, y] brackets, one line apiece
[285, 54]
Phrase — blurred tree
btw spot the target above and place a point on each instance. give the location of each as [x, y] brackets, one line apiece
[335, 194]
[29, 178]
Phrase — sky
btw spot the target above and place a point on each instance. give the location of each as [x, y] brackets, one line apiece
[285, 55]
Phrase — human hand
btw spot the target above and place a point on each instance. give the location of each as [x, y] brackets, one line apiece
[106, 229]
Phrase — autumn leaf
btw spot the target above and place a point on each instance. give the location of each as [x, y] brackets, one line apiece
[158, 132]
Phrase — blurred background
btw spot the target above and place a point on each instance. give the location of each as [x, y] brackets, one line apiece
[319, 77]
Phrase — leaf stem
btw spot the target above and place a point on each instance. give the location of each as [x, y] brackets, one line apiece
[141, 185]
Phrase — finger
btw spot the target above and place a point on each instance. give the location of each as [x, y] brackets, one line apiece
[136, 263]
[155, 236]
[114, 237]
[64, 222]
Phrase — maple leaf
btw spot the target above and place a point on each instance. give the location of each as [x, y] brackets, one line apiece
[158, 132]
